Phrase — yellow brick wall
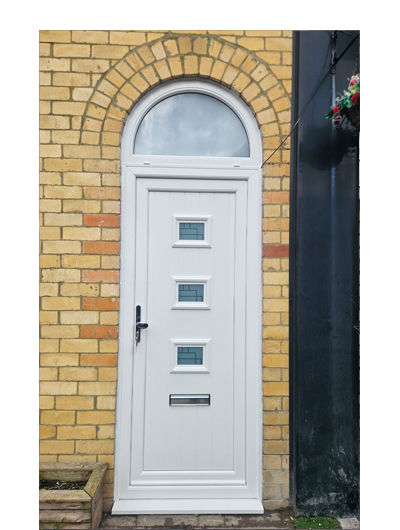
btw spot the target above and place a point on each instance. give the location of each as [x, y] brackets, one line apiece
[89, 81]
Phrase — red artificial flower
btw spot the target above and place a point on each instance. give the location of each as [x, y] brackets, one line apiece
[353, 83]
[335, 109]
[355, 98]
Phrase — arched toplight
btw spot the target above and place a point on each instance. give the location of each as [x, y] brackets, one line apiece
[191, 124]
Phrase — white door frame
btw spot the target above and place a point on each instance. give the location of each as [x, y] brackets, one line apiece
[228, 168]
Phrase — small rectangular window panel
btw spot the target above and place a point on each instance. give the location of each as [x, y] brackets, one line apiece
[191, 292]
[191, 231]
[190, 355]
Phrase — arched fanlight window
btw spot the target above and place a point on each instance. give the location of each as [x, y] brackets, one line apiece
[191, 124]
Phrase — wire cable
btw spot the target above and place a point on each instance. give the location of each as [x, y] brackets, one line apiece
[333, 65]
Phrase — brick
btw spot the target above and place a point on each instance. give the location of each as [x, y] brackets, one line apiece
[90, 37]
[71, 50]
[49, 205]
[95, 446]
[275, 447]
[71, 107]
[60, 275]
[107, 289]
[99, 332]
[276, 332]
[48, 261]
[79, 317]
[100, 304]
[48, 374]
[276, 360]
[51, 93]
[57, 388]
[81, 233]
[76, 432]
[81, 206]
[54, 122]
[278, 44]
[56, 447]
[50, 232]
[97, 388]
[276, 389]
[110, 262]
[61, 302]
[58, 65]
[78, 345]
[54, 36]
[108, 346]
[47, 431]
[56, 417]
[79, 289]
[81, 261]
[46, 402]
[106, 431]
[110, 234]
[107, 374]
[74, 402]
[71, 79]
[59, 331]
[62, 219]
[63, 165]
[104, 51]
[276, 278]
[106, 402]
[95, 417]
[77, 374]
[102, 166]
[64, 137]
[61, 247]
[109, 317]
[59, 359]
[48, 317]
[62, 192]
[101, 220]
[127, 37]
[81, 94]
[103, 359]
[90, 65]
[100, 276]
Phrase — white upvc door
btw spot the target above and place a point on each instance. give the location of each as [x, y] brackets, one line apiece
[189, 392]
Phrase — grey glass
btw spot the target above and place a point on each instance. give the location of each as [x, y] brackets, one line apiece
[191, 124]
[190, 292]
[190, 355]
[191, 231]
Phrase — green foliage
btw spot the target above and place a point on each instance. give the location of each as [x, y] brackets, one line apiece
[322, 523]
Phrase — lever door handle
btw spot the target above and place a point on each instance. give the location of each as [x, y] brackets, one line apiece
[139, 325]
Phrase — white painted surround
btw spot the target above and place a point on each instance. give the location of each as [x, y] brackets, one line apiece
[150, 184]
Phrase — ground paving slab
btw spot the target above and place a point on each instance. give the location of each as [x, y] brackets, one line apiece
[270, 520]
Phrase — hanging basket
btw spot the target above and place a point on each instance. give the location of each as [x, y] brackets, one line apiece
[353, 115]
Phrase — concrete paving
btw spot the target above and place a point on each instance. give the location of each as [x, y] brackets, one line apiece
[276, 520]
[270, 520]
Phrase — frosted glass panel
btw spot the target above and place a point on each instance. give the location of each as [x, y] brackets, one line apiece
[191, 231]
[190, 355]
[191, 292]
[191, 124]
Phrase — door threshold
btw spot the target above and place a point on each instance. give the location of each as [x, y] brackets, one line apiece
[187, 506]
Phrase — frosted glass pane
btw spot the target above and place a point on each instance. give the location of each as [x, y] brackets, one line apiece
[191, 124]
[191, 231]
[191, 292]
[190, 355]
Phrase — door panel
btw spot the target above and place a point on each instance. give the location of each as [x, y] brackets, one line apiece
[188, 261]
[193, 441]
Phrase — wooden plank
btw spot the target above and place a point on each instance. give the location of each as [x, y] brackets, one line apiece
[63, 495]
[64, 505]
[95, 479]
[67, 526]
[65, 516]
